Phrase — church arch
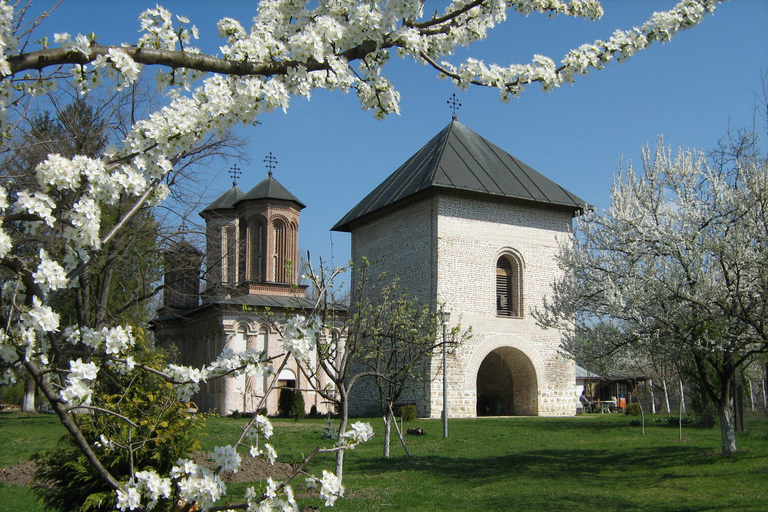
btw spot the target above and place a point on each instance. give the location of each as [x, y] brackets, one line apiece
[505, 371]
[509, 284]
[506, 384]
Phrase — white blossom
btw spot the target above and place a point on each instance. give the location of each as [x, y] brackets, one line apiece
[226, 457]
[331, 488]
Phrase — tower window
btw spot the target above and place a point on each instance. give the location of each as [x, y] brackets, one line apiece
[509, 287]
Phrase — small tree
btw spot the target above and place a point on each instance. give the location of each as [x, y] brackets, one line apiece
[150, 429]
[297, 406]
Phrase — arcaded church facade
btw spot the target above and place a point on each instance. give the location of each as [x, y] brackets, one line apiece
[249, 284]
[462, 224]
[468, 227]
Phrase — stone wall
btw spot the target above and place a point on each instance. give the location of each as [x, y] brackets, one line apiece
[444, 250]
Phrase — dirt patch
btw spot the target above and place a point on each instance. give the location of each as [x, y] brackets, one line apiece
[251, 470]
[22, 473]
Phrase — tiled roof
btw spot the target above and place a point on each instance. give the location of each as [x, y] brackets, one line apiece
[458, 159]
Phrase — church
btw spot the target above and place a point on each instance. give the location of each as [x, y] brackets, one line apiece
[462, 224]
[249, 284]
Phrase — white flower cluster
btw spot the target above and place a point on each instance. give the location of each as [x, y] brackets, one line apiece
[261, 426]
[330, 487]
[198, 484]
[148, 484]
[226, 457]
[274, 498]
[360, 433]
[81, 375]
[300, 337]
[115, 340]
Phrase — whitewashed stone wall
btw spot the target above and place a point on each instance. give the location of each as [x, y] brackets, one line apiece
[200, 342]
[445, 249]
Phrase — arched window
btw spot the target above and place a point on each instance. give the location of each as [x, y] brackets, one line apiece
[261, 343]
[257, 248]
[280, 256]
[509, 286]
[229, 274]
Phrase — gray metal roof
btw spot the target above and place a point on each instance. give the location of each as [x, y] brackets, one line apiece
[458, 159]
[226, 201]
[270, 188]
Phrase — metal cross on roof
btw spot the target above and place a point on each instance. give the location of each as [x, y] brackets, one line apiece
[271, 162]
[234, 173]
[455, 105]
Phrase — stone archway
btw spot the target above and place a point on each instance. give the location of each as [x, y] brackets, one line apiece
[506, 384]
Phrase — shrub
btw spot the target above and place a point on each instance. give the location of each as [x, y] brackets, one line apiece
[297, 406]
[408, 412]
[166, 432]
[633, 409]
[673, 421]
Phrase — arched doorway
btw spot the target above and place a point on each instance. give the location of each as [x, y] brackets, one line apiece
[506, 384]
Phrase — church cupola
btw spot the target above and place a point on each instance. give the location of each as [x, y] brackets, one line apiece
[269, 227]
[253, 240]
[222, 245]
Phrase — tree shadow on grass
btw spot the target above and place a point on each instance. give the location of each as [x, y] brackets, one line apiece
[548, 463]
[562, 479]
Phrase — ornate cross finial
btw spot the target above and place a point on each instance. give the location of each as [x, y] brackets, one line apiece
[455, 105]
[234, 173]
[271, 162]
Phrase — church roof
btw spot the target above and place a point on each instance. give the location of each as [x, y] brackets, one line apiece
[225, 201]
[458, 159]
[270, 188]
[257, 301]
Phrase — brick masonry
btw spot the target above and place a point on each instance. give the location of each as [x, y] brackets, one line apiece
[444, 249]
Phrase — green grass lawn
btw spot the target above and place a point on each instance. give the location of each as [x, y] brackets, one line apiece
[587, 463]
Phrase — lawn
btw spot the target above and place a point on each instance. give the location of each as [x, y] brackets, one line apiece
[586, 463]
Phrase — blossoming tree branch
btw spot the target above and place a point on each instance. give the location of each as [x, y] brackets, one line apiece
[289, 49]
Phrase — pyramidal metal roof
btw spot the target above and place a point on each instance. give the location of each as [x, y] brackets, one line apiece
[458, 159]
[225, 201]
[270, 188]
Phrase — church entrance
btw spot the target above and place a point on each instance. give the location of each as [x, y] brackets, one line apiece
[506, 384]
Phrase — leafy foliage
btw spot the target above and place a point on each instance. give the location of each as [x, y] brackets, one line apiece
[297, 406]
[164, 432]
[408, 412]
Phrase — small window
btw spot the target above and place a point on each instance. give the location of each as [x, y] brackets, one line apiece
[508, 287]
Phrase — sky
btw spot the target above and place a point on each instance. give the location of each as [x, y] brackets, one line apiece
[331, 154]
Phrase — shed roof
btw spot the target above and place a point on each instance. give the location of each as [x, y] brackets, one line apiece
[458, 159]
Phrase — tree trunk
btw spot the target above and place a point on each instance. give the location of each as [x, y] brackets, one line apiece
[727, 427]
[344, 413]
[666, 395]
[387, 430]
[28, 402]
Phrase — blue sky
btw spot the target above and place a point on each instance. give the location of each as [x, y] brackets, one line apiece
[331, 153]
